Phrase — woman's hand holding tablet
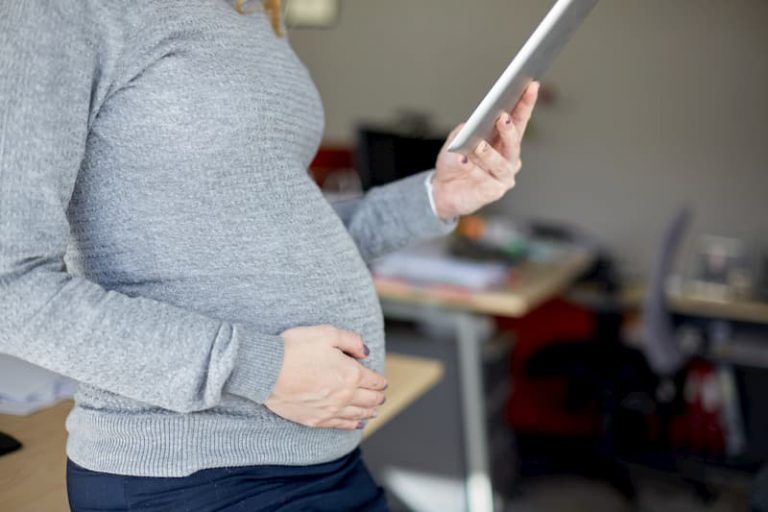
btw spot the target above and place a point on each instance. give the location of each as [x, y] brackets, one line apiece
[464, 183]
[478, 163]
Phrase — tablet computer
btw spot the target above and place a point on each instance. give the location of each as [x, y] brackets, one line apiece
[529, 64]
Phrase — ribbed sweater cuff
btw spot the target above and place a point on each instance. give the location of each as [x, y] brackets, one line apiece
[258, 364]
[419, 215]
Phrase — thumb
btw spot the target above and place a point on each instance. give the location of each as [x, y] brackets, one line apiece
[350, 343]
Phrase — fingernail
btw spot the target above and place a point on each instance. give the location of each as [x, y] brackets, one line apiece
[386, 385]
[482, 147]
[360, 425]
[464, 159]
[507, 119]
[383, 400]
[366, 350]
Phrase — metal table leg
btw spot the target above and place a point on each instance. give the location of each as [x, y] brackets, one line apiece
[469, 340]
[479, 492]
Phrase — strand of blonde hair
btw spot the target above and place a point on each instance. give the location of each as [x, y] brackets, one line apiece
[273, 7]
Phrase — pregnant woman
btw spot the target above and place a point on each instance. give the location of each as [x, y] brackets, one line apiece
[162, 243]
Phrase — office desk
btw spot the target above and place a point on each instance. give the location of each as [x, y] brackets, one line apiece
[682, 301]
[739, 310]
[686, 303]
[534, 284]
[409, 378]
[33, 478]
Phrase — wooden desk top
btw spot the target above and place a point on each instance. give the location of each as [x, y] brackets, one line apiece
[33, 479]
[534, 284]
[409, 377]
[740, 310]
[737, 310]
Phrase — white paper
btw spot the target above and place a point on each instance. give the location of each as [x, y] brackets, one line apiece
[26, 388]
[429, 264]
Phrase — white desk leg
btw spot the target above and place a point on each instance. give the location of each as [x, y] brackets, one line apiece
[469, 339]
[479, 491]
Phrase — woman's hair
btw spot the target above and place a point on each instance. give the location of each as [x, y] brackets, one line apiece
[272, 7]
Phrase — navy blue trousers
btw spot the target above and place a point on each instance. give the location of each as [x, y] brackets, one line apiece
[341, 485]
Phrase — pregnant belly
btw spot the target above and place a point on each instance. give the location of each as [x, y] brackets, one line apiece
[347, 300]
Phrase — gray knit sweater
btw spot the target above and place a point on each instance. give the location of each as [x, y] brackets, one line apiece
[158, 228]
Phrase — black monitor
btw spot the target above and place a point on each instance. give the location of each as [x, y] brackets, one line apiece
[384, 156]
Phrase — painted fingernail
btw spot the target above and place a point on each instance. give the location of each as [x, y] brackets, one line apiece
[464, 159]
[366, 350]
[507, 119]
[360, 425]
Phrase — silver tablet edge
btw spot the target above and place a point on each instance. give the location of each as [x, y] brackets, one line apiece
[469, 136]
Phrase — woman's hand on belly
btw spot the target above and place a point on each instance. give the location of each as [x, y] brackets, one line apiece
[321, 384]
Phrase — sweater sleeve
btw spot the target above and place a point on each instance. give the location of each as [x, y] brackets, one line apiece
[392, 216]
[143, 349]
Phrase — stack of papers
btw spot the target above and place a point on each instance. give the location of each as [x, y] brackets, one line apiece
[429, 264]
[26, 388]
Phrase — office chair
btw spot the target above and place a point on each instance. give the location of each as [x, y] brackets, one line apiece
[660, 344]
[622, 383]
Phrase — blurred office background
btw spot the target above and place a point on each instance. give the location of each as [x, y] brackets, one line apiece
[602, 331]
[656, 111]
[656, 103]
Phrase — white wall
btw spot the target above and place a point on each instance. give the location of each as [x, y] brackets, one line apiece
[660, 102]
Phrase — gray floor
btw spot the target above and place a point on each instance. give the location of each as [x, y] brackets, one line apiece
[577, 494]
[574, 494]
[427, 438]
